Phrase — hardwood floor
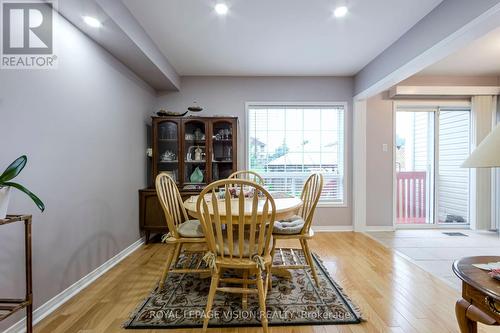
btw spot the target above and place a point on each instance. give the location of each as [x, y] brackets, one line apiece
[394, 294]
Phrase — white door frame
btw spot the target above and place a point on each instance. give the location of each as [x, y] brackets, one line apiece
[426, 106]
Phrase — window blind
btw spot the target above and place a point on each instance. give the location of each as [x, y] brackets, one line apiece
[287, 143]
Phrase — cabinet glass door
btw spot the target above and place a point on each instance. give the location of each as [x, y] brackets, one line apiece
[195, 159]
[222, 149]
[168, 149]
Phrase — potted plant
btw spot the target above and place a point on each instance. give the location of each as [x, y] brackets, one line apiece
[5, 184]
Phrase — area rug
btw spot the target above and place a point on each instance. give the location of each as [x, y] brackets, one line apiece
[295, 301]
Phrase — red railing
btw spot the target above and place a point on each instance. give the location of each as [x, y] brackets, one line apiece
[411, 197]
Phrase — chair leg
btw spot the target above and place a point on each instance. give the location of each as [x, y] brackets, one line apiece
[262, 300]
[167, 266]
[269, 275]
[244, 299]
[267, 281]
[308, 263]
[273, 249]
[211, 294]
[308, 255]
[177, 253]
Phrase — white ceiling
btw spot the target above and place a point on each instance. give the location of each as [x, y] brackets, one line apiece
[275, 37]
[482, 57]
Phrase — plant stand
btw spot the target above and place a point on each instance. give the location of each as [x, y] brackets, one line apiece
[8, 306]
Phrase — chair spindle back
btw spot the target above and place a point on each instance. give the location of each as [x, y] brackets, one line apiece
[237, 235]
[171, 202]
[311, 193]
[247, 175]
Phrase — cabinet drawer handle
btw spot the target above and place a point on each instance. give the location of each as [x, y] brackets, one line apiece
[491, 304]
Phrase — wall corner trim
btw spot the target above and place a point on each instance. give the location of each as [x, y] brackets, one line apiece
[54, 303]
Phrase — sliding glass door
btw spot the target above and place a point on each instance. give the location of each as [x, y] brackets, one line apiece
[453, 147]
[430, 185]
[415, 167]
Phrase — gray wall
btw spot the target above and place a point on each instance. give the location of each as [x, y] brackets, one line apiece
[227, 96]
[379, 131]
[83, 128]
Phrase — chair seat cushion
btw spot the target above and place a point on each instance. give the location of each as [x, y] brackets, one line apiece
[190, 229]
[289, 226]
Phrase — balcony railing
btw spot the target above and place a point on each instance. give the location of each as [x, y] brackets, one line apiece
[411, 206]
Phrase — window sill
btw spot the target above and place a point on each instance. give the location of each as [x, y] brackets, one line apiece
[332, 205]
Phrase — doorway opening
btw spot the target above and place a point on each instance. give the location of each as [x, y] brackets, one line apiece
[430, 186]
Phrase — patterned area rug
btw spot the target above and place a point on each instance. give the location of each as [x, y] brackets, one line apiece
[295, 301]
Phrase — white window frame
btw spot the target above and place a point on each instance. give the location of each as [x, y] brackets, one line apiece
[347, 184]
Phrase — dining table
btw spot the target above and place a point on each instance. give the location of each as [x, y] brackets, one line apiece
[286, 207]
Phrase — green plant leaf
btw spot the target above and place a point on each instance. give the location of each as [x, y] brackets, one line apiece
[13, 169]
[33, 197]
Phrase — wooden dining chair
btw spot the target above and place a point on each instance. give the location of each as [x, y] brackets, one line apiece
[299, 226]
[248, 175]
[182, 230]
[238, 240]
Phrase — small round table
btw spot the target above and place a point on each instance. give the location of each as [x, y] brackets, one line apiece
[480, 294]
[285, 208]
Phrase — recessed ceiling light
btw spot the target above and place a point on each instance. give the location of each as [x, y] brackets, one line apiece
[221, 8]
[92, 21]
[340, 11]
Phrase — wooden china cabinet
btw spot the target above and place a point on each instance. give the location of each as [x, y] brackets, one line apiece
[195, 151]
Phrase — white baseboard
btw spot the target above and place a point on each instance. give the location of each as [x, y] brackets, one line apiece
[332, 228]
[51, 305]
[432, 226]
[345, 228]
[369, 228]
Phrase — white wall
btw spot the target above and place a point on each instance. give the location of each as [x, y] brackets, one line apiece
[83, 128]
[227, 96]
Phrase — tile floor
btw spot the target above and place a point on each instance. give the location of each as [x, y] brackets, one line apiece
[435, 252]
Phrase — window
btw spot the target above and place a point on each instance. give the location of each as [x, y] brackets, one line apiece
[286, 143]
